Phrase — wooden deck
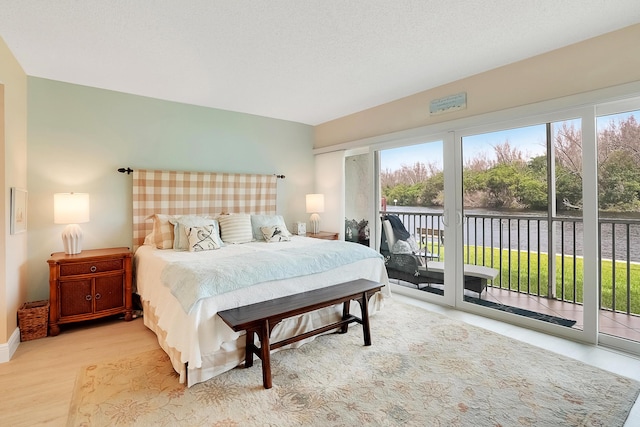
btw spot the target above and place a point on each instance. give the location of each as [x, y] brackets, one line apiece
[616, 324]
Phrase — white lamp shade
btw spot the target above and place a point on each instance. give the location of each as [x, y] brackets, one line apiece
[70, 208]
[315, 203]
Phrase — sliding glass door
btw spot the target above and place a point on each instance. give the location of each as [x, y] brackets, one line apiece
[554, 206]
[413, 217]
[521, 200]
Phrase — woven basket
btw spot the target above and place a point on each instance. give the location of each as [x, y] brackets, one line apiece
[33, 318]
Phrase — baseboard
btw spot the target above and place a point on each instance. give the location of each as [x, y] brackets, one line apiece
[9, 348]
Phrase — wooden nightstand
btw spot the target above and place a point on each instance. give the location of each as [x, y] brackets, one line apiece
[92, 284]
[326, 235]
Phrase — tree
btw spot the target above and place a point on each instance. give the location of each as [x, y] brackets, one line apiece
[507, 155]
[433, 191]
[619, 183]
[568, 149]
[618, 164]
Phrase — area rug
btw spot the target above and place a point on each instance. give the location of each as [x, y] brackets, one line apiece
[422, 369]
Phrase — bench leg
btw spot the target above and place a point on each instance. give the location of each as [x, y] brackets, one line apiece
[248, 357]
[364, 305]
[345, 313]
[265, 354]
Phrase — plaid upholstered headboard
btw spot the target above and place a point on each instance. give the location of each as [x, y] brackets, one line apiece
[198, 193]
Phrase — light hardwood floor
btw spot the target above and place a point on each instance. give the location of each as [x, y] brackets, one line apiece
[37, 383]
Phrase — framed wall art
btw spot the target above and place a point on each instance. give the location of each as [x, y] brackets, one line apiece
[18, 210]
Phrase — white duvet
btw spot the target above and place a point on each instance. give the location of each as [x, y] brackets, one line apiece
[201, 333]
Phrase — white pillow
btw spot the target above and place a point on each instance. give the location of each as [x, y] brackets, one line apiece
[235, 228]
[275, 233]
[181, 242]
[259, 221]
[202, 238]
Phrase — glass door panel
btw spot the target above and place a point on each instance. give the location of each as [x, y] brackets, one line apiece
[412, 206]
[619, 224]
[512, 180]
[566, 237]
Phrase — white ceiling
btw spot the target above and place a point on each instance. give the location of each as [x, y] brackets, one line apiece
[307, 61]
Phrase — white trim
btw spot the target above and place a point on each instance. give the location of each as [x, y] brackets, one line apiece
[591, 242]
[615, 107]
[8, 349]
[620, 344]
[356, 151]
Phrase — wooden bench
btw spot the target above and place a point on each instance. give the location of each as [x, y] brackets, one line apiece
[260, 318]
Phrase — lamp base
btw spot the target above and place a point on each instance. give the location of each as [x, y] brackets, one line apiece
[72, 239]
[315, 223]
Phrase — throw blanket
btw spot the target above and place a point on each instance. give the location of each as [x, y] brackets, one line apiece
[398, 227]
[190, 281]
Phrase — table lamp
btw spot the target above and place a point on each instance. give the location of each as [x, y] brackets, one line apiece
[71, 209]
[315, 205]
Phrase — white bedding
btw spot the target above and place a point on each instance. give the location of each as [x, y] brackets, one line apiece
[200, 338]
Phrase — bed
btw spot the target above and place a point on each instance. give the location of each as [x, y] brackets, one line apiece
[182, 288]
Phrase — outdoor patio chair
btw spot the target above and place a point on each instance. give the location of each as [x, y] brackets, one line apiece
[404, 263]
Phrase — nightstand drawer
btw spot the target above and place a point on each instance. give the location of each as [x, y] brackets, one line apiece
[73, 269]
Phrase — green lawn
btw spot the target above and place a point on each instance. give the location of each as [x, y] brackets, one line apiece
[524, 272]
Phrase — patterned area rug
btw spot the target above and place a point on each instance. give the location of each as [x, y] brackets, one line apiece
[423, 369]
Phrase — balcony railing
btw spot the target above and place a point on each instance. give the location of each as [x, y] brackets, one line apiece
[519, 247]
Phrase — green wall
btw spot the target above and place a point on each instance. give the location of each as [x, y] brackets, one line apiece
[79, 136]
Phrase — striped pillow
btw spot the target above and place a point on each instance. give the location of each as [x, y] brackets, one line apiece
[236, 228]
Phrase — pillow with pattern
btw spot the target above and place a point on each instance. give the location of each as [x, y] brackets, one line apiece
[402, 247]
[181, 224]
[275, 233]
[259, 221]
[202, 238]
[162, 231]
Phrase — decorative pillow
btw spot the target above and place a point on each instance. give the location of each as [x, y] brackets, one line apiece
[201, 238]
[275, 233]
[181, 224]
[413, 243]
[408, 246]
[236, 228]
[150, 240]
[162, 231]
[259, 221]
[401, 247]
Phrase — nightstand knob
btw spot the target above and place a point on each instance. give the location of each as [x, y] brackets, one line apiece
[98, 296]
[88, 297]
[93, 268]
